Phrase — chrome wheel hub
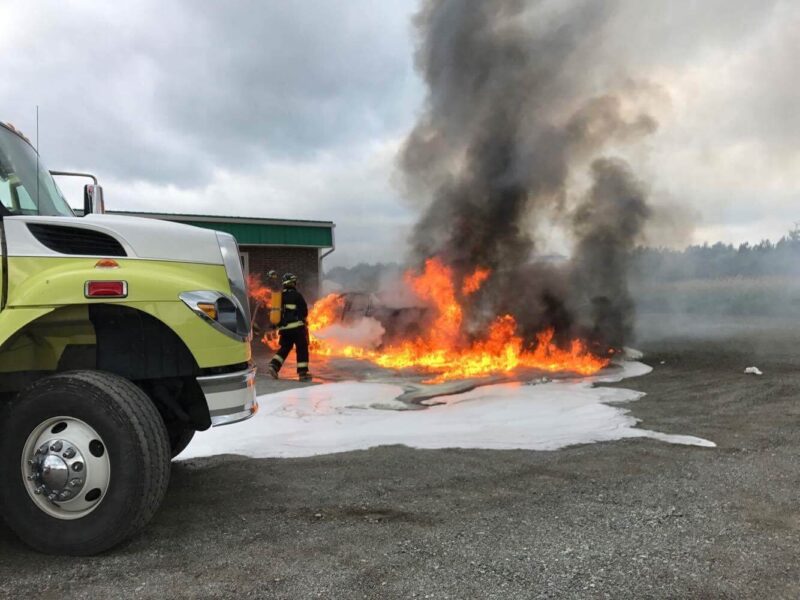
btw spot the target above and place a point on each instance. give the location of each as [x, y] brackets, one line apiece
[65, 468]
[57, 467]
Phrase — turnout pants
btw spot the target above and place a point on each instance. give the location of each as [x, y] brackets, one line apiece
[293, 338]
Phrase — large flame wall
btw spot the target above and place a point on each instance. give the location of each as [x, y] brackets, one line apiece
[442, 348]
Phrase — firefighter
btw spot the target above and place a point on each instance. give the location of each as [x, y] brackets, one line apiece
[293, 330]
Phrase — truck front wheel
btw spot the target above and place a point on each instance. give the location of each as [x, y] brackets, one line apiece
[84, 461]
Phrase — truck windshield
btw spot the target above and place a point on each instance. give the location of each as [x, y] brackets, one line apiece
[23, 189]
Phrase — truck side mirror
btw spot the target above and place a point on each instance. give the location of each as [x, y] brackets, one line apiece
[93, 201]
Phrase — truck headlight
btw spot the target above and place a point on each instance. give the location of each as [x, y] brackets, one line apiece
[221, 311]
[233, 267]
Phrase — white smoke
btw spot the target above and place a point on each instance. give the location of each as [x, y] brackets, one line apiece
[366, 333]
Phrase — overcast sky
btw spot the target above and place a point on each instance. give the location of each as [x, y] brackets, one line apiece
[297, 109]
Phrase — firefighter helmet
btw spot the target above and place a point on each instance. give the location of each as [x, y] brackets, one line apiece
[289, 279]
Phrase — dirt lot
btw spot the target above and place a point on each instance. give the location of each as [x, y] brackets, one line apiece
[630, 519]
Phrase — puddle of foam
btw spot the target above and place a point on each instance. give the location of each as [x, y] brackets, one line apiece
[345, 416]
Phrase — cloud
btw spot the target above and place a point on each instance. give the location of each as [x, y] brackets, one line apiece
[351, 188]
[288, 109]
[168, 92]
[725, 153]
[254, 108]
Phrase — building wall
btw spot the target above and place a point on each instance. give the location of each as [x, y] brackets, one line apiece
[303, 262]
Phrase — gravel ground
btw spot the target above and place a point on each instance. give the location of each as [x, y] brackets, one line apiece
[629, 519]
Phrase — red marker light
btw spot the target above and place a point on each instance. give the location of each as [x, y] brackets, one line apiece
[106, 289]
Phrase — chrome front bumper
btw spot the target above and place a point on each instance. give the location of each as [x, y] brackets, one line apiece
[230, 397]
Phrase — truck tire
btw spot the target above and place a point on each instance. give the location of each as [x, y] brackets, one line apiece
[84, 462]
[179, 437]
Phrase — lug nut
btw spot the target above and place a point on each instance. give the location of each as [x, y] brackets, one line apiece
[33, 463]
[69, 452]
[38, 490]
[76, 482]
[56, 447]
[78, 466]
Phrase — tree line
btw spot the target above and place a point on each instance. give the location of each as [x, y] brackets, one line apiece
[648, 265]
[719, 260]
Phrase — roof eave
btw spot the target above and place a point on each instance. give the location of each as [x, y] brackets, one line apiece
[223, 219]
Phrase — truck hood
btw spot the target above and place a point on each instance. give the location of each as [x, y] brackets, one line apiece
[144, 238]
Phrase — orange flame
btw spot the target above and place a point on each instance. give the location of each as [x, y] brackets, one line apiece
[325, 312]
[443, 350]
[472, 283]
[261, 296]
[260, 293]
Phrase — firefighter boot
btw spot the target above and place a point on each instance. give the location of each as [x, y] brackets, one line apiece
[274, 367]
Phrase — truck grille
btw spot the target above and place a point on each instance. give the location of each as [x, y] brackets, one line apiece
[76, 240]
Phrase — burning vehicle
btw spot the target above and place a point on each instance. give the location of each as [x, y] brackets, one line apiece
[119, 338]
[429, 331]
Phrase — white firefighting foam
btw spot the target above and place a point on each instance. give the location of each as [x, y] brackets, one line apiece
[339, 417]
[347, 416]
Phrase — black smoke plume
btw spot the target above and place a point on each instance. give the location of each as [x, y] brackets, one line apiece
[505, 132]
[607, 225]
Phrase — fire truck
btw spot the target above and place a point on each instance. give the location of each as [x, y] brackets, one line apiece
[120, 338]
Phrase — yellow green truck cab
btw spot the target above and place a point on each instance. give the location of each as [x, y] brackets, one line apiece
[120, 337]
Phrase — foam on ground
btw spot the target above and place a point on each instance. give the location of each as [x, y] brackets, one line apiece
[345, 416]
